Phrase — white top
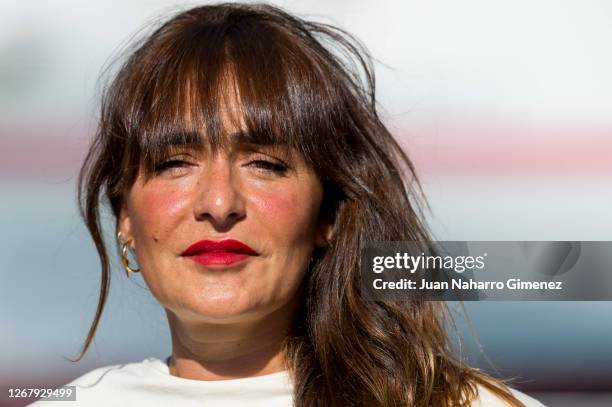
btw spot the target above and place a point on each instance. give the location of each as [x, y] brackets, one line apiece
[149, 383]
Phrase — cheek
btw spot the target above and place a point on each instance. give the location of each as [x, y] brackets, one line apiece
[275, 204]
[287, 209]
[157, 209]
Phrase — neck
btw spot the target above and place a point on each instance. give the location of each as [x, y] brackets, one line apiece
[209, 351]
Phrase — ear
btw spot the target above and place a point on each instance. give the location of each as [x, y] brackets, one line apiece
[124, 225]
[324, 233]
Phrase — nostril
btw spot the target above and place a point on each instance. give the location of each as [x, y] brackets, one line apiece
[221, 223]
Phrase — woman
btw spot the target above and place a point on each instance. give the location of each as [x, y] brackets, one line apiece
[242, 156]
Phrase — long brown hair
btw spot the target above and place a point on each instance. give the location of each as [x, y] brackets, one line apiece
[309, 86]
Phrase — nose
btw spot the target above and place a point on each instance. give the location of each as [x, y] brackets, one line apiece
[219, 199]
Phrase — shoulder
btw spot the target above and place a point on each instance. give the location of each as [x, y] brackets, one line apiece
[486, 398]
[108, 382]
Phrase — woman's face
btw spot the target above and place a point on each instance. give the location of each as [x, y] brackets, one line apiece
[244, 192]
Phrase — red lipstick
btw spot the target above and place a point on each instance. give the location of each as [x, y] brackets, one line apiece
[218, 253]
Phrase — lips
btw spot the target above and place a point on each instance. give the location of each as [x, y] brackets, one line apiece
[220, 253]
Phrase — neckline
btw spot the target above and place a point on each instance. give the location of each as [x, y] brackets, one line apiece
[161, 367]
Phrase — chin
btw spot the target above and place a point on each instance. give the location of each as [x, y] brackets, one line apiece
[222, 308]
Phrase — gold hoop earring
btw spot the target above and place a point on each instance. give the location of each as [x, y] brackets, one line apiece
[124, 259]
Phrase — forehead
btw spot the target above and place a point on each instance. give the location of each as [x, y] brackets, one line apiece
[229, 140]
[231, 128]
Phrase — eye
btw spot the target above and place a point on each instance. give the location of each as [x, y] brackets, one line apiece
[270, 166]
[164, 166]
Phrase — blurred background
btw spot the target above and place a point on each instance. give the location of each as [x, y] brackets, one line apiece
[504, 106]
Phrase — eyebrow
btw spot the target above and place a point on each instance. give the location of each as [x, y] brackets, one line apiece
[190, 138]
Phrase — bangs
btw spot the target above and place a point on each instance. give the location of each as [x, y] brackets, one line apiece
[209, 84]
